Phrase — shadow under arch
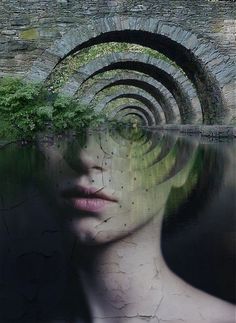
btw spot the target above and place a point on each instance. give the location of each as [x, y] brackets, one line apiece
[141, 111]
[138, 106]
[137, 114]
[143, 96]
[155, 110]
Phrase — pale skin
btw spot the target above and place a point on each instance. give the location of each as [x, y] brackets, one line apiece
[130, 281]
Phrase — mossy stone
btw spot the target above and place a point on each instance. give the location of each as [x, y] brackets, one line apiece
[29, 34]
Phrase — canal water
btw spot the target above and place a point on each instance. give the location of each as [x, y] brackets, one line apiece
[65, 201]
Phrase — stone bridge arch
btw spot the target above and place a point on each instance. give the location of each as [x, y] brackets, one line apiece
[144, 98]
[143, 81]
[133, 111]
[139, 107]
[211, 72]
[130, 88]
[119, 103]
[168, 75]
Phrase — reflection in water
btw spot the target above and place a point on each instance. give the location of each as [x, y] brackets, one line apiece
[85, 224]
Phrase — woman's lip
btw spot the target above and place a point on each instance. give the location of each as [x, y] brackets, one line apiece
[90, 199]
[90, 204]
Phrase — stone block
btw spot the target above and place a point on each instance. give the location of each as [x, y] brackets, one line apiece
[70, 88]
[139, 8]
[36, 74]
[234, 132]
[202, 49]
[224, 75]
[50, 33]
[8, 32]
[3, 47]
[18, 45]
[191, 42]
[20, 21]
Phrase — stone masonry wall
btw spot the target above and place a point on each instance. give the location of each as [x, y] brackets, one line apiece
[28, 27]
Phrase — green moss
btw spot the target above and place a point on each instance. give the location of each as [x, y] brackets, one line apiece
[29, 34]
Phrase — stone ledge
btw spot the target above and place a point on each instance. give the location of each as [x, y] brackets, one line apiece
[216, 131]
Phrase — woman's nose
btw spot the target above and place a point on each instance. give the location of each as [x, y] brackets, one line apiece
[84, 162]
[91, 162]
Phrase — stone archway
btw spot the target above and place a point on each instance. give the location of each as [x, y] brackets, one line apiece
[139, 107]
[168, 75]
[132, 112]
[144, 98]
[117, 90]
[211, 73]
[139, 80]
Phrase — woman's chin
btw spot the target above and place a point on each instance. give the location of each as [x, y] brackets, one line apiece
[94, 231]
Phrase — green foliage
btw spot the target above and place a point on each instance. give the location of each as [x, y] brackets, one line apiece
[6, 129]
[26, 109]
[15, 94]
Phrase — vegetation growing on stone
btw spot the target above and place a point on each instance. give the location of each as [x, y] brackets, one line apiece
[74, 62]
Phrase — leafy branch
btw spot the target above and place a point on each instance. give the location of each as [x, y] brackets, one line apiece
[26, 109]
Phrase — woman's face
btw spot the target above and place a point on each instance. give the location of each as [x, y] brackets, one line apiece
[110, 186]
